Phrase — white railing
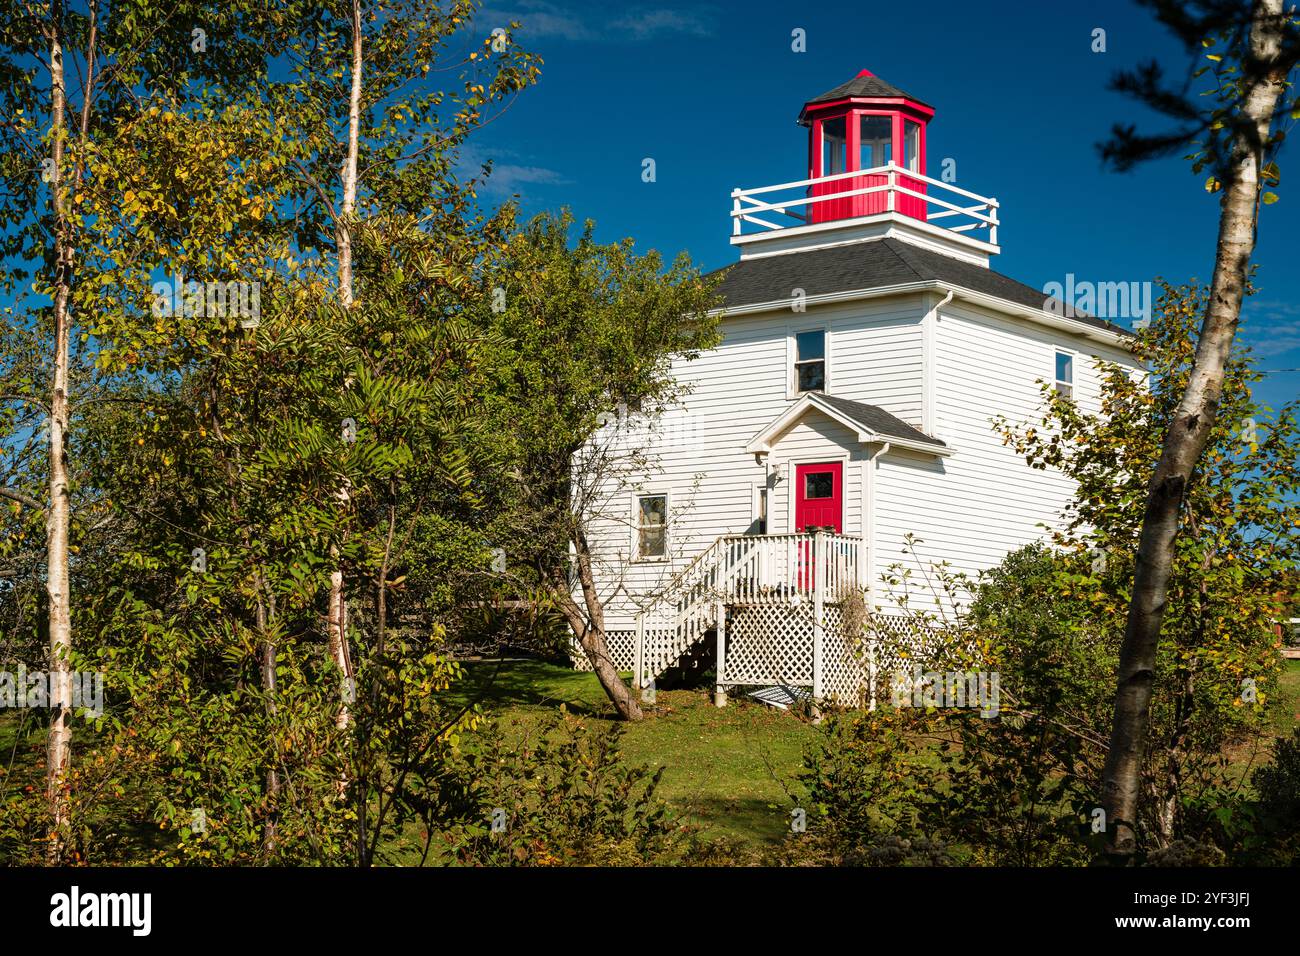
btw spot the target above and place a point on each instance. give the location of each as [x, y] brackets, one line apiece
[742, 569]
[784, 568]
[968, 211]
[679, 615]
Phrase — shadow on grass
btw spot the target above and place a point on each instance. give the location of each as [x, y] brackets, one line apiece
[748, 819]
[498, 685]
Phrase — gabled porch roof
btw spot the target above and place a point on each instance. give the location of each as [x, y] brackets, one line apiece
[871, 423]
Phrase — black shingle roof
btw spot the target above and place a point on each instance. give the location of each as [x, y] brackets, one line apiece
[878, 420]
[862, 266]
[864, 84]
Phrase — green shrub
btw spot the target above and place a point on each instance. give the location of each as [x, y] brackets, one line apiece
[560, 795]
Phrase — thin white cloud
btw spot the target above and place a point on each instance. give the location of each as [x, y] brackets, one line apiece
[652, 23]
[508, 177]
[542, 20]
[1271, 328]
[1274, 345]
[539, 21]
[1271, 311]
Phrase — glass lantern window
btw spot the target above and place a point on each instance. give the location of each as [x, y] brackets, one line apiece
[912, 146]
[835, 146]
[875, 141]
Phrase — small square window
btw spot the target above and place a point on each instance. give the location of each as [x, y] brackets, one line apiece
[652, 526]
[819, 484]
[810, 361]
[1065, 374]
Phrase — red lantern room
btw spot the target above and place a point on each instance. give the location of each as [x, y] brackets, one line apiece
[865, 124]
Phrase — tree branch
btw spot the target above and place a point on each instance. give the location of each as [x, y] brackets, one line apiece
[13, 494]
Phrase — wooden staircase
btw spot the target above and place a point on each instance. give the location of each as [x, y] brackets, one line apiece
[737, 570]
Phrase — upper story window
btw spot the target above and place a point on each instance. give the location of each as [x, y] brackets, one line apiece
[651, 527]
[810, 361]
[1065, 374]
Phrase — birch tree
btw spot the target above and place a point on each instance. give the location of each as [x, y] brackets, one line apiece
[427, 79]
[1253, 47]
[70, 75]
[338, 607]
[50, 144]
[59, 745]
[400, 131]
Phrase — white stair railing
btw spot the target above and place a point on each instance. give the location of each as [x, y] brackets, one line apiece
[678, 616]
[740, 569]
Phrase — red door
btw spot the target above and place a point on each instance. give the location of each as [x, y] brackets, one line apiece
[818, 506]
[819, 497]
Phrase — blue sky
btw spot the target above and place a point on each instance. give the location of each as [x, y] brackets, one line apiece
[711, 92]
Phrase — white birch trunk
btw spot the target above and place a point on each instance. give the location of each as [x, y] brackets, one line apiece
[58, 515]
[338, 609]
[1190, 430]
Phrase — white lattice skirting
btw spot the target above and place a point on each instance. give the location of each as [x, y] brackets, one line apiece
[846, 662]
[772, 644]
[769, 644]
[622, 651]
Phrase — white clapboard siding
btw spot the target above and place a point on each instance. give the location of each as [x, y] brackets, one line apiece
[974, 507]
[875, 354]
[970, 509]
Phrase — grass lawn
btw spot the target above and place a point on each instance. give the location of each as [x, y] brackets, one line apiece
[726, 770]
[1287, 716]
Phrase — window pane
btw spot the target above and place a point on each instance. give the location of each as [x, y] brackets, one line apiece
[875, 141]
[653, 542]
[1064, 367]
[810, 345]
[812, 376]
[652, 522]
[654, 510]
[912, 146]
[819, 484]
[834, 146]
